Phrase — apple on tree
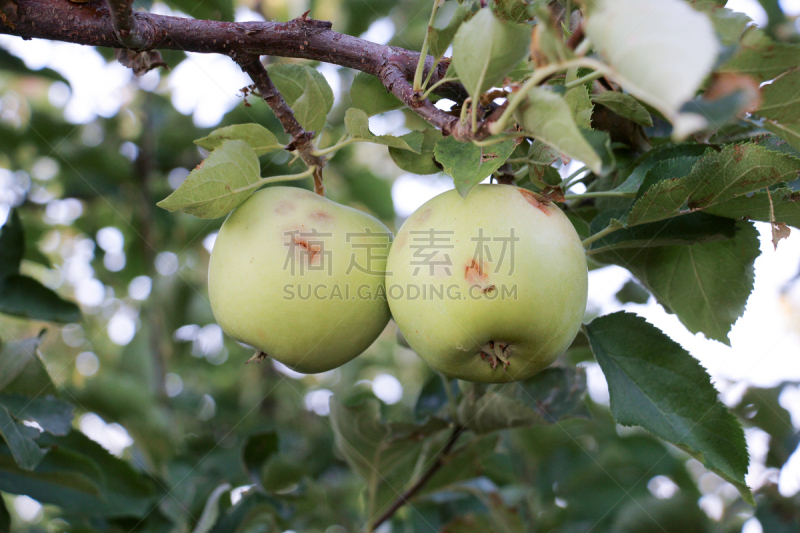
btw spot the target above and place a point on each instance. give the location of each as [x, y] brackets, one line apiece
[300, 278]
[491, 287]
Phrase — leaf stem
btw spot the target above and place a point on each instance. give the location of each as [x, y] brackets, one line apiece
[589, 77]
[336, 147]
[600, 234]
[435, 85]
[538, 77]
[415, 488]
[289, 177]
[566, 182]
[423, 53]
[600, 194]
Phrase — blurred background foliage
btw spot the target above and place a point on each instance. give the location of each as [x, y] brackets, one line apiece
[148, 374]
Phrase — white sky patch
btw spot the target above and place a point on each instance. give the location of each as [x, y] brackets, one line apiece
[113, 437]
[387, 388]
[381, 31]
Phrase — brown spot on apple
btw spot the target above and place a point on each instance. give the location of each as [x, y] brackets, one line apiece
[534, 200]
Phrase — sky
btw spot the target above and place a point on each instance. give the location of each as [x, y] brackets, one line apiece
[765, 341]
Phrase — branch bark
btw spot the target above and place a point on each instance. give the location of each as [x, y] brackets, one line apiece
[92, 23]
[416, 487]
[125, 26]
[301, 139]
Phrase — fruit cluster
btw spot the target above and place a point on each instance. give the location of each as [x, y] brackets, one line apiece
[490, 288]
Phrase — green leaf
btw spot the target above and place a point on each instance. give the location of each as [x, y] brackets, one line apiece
[705, 285]
[20, 439]
[546, 116]
[5, 518]
[254, 512]
[422, 162]
[257, 450]
[632, 292]
[625, 106]
[717, 177]
[785, 207]
[433, 397]
[260, 139]
[21, 369]
[780, 105]
[368, 94]
[383, 454]
[211, 509]
[761, 57]
[661, 50]
[13, 64]
[642, 165]
[694, 228]
[440, 39]
[656, 384]
[23, 295]
[555, 393]
[356, 122]
[26, 297]
[306, 92]
[52, 415]
[470, 164]
[221, 183]
[12, 244]
[81, 477]
[580, 105]
[485, 49]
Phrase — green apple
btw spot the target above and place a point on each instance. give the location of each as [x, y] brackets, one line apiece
[300, 278]
[491, 287]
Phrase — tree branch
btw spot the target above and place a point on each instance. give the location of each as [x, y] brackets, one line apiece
[92, 23]
[301, 139]
[415, 488]
[125, 27]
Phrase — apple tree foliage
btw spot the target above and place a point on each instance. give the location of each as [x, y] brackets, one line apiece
[686, 117]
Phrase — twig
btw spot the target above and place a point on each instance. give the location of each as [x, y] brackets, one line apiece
[301, 139]
[125, 27]
[415, 488]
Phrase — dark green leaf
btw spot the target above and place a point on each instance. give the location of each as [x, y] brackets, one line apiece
[555, 393]
[5, 518]
[643, 165]
[257, 450]
[422, 162]
[625, 106]
[260, 139]
[27, 297]
[220, 184]
[306, 92]
[383, 454]
[20, 439]
[686, 229]
[485, 49]
[52, 414]
[368, 94]
[781, 108]
[253, 509]
[12, 244]
[13, 64]
[579, 103]
[433, 397]
[21, 370]
[716, 177]
[632, 292]
[785, 207]
[656, 384]
[470, 164]
[705, 285]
